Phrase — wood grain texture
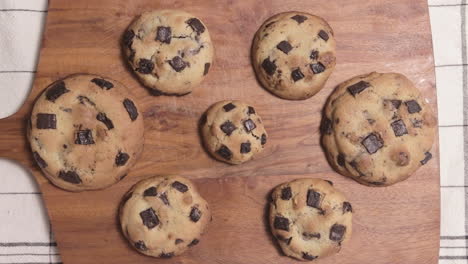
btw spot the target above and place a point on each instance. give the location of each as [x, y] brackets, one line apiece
[398, 224]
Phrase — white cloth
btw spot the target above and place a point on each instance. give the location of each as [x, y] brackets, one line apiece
[25, 235]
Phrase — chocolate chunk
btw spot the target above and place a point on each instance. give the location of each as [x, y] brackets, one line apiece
[269, 66]
[145, 66]
[195, 214]
[178, 64]
[105, 85]
[39, 160]
[417, 123]
[121, 159]
[286, 193]
[46, 121]
[314, 54]
[427, 158]
[207, 68]
[313, 199]
[193, 243]
[179, 186]
[196, 25]
[263, 140]
[251, 110]
[396, 103]
[128, 38]
[284, 46]
[84, 137]
[358, 87]
[151, 191]
[70, 176]
[297, 75]
[140, 245]
[245, 147]
[281, 223]
[317, 67]
[57, 90]
[85, 100]
[299, 18]
[164, 34]
[178, 241]
[105, 120]
[131, 109]
[224, 152]
[228, 127]
[326, 126]
[164, 199]
[329, 182]
[149, 218]
[341, 159]
[399, 128]
[229, 107]
[249, 125]
[309, 236]
[347, 207]
[284, 239]
[413, 106]
[306, 256]
[372, 143]
[323, 35]
[337, 232]
[167, 255]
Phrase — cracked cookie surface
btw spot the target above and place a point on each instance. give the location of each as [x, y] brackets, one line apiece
[233, 131]
[294, 54]
[310, 218]
[169, 50]
[163, 216]
[85, 132]
[377, 129]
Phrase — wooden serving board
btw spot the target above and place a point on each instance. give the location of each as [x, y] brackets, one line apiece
[398, 224]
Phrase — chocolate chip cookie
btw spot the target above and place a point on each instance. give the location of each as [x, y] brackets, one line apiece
[294, 54]
[233, 131]
[170, 51]
[164, 216]
[377, 129]
[85, 132]
[310, 218]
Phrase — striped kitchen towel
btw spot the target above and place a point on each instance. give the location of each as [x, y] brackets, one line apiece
[25, 235]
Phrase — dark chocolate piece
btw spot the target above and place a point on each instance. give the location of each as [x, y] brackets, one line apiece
[193, 243]
[179, 186]
[105, 120]
[164, 34]
[306, 256]
[245, 147]
[128, 38]
[85, 100]
[196, 25]
[341, 159]
[323, 35]
[84, 137]
[164, 199]
[358, 87]
[105, 85]
[131, 109]
[249, 125]
[299, 18]
[207, 68]
[286, 193]
[399, 128]
[308, 236]
[314, 54]
[251, 110]
[178, 64]
[151, 191]
[263, 139]
[140, 245]
[413, 106]
[229, 107]
[70, 176]
[39, 160]
[337, 232]
[396, 103]
[178, 241]
[149, 218]
[284, 46]
[121, 158]
[269, 66]
[326, 126]
[228, 127]
[317, 67]
[46, 121]
[224, 152]
[426, 158]
[167, 255]
[297, 75]
[145, 66]
[57, 90]
[313, 199]
[372, 143]
[347, 207]
[281, 223]
[195, 214]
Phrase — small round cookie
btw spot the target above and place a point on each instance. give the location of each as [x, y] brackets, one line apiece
[233, 131]
[163, 216]
[169, 50]
[294, 54]
[310, 218]
[377, 129]
[85, 132]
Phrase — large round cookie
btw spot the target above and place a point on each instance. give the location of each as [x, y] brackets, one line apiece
[294, 54]
[169, 50]
[310, 218]
[164, 216]
[233, 131]
[85, 132]
[377, 129]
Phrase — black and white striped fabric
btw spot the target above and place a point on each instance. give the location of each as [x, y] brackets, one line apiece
[25, 235]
